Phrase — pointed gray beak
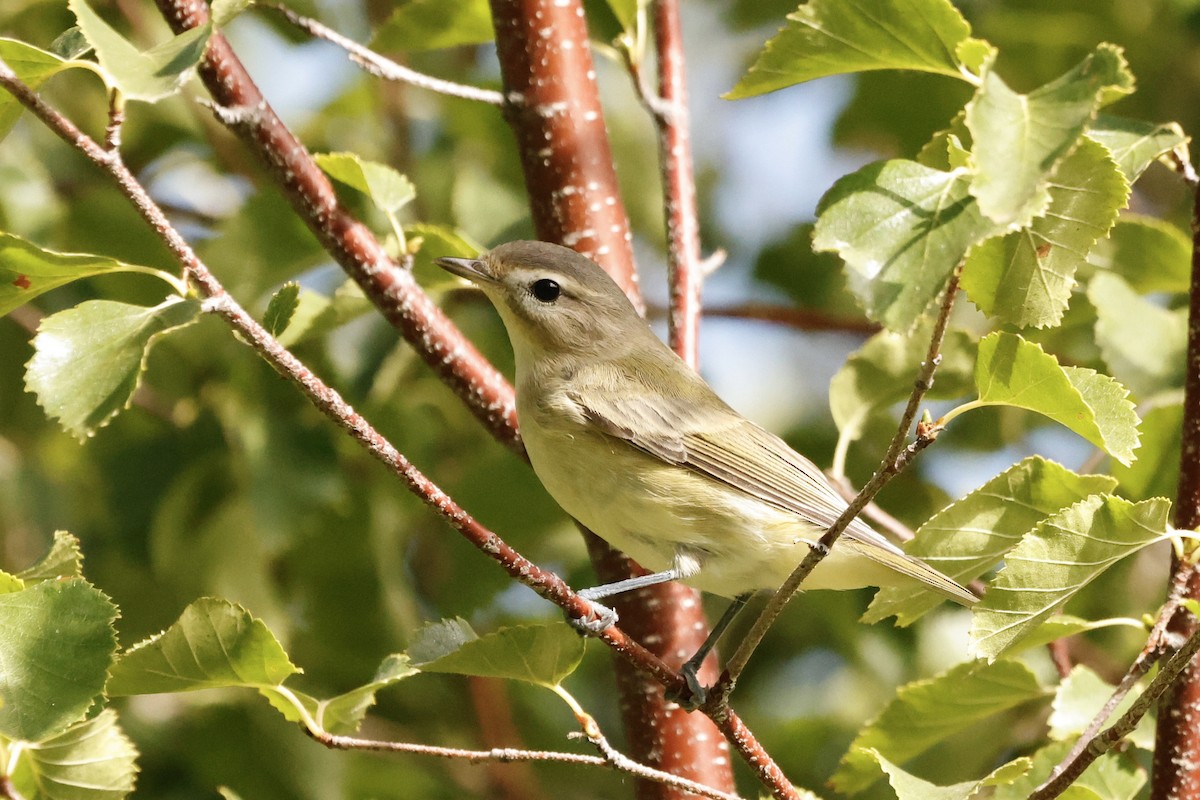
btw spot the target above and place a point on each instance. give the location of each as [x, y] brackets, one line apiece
[473, 269]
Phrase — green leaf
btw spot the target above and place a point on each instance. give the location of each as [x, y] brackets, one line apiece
[10, 583]
[929, 711]
[1136, 144]
[901, 228]
[1019, 139]
[317, 314]
[224, 11]
[1060, 626]
[540, 654]
[56, 641]
[214, 643]
[428, 242]
[1156, 471]
[909, 787]
[833, 37]
[34, 67]
[1152, 255]
[281, 308]
[626, 12]
[1080, 696]
[88, 360]
[1015, 372]
[881, 373]
[27, 270]
[437, 639]
[1059, 557]
[92, 760]
[344, 713]
[386, 187]
[63, 561]
[1143, 344]
[434, 24]
[1110, 777]
[150, 75]
[1026, 277]
[971, 535]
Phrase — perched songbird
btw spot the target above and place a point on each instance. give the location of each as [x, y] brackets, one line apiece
[633, 444]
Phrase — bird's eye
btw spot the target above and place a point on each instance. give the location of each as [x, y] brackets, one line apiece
[546, 290]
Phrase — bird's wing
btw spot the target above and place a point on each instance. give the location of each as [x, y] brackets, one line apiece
[716, 441]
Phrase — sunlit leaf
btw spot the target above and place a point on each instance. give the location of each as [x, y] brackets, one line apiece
[91, 760]
[56, 641]
[1061, 626]
[281, 308]
[901, 228]
[34, 67]
[214, 643]
[1026, 277]
[909, 787]
[1111, 777]
[1015, 372]
[88, 360]
[538, 654]
[317, 314]
[63, 561]
[437, 241]
[435, 24]
[386, 187]
[971, 535]
[1150, 254]
[27, 270]
[1136, 144]
[833, 37]
[1143, 343]
[929, 711]
[1019, 139]
[1058, 558]
[224, 11]
[150, 75]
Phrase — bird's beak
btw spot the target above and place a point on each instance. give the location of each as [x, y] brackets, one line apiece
[473, 269]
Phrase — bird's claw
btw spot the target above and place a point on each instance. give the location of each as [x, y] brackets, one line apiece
[597, 621]
[696, 693]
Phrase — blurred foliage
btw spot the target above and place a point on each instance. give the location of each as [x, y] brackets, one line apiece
[222, 481]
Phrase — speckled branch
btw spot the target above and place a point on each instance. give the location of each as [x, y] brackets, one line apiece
[1176, 771]
[392, 288]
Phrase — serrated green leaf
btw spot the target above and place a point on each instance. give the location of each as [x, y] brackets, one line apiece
[214, 643]
[901, 228]
[540, 654]
[32, 65]
[1110, 777]
[386, 187]
[1061, 626]
[1026, 277]
[92, 760]
[65, 560]
[1143, 344]
[56, 641]
[344, 713]
[1156, 471]
[317, 314]
[1015, 372]
[1080, 696]
[881, 373]
[437, 241]
[909, 787]
[1136, 144]
[971, 535]
[27, 270]
[150, 75]
[1056, 559]
[435, 24]
[834, 37]
[88, 360]
[281, 308]
[1150, 254]
[1019, 139]
[438, 639]
[929, 711]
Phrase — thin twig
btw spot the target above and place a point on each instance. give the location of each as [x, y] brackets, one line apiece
[802, 319]
[894, 461]
[116, 118]
[501, 754]
[381, 66]
[1110, 737]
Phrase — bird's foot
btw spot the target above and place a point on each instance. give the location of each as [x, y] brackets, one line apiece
[696, 693]
[596, 622]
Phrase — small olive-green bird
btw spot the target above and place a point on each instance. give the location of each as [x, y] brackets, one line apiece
[633, 444]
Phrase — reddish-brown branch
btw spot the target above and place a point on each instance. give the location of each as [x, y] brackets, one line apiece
[393, 290]
[684, 275]
[1176, 771]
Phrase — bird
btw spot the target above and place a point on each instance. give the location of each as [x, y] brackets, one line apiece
[633, 444]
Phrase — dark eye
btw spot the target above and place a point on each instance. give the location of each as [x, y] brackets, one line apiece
[546, 290]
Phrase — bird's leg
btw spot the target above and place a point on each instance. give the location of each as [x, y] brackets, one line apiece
[691, 667]
[603, 617]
